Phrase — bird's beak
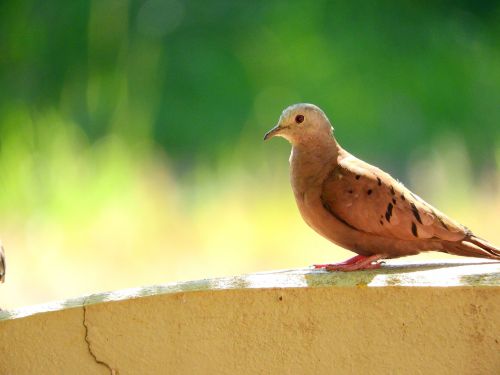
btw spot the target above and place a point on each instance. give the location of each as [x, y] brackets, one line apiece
[271, 133]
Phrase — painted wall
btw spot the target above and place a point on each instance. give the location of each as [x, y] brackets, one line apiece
[232, 326]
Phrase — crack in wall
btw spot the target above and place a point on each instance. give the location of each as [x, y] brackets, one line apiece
[89, 345]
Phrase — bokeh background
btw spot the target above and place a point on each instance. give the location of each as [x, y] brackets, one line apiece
[131, 132]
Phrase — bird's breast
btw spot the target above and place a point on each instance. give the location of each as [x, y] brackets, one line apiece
[312, 211]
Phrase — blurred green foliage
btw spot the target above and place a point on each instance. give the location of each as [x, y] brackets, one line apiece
[131, 131]
[197, 76]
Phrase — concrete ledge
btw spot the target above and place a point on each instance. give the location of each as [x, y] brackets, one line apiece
[432, 318]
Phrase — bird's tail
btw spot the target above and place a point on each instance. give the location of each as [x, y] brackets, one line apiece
[472, 246]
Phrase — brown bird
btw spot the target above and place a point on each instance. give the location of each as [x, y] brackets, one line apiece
[360, 207]
[2, 264]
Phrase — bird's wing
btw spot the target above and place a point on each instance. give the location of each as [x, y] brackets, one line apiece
[370, 200]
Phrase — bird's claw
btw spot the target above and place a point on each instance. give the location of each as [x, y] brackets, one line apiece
[356, 263]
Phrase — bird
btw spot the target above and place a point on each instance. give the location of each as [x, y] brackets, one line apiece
[2, 264]
[359, 206]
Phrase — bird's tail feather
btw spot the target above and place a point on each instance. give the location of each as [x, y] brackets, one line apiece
[473, 246]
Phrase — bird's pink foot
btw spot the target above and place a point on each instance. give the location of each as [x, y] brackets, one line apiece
[357, 263]
[352, 260]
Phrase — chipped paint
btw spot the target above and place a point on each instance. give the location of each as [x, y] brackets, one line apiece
[429, 273]
[294, 321]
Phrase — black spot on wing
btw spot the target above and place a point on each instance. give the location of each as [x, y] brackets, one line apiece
[414, 229]
[369, 191]
[388, 212]
[358, 177]
[394, 201]
[403, 197]
[415, 212]
[440, 220]
[392, 190]
[379, 181]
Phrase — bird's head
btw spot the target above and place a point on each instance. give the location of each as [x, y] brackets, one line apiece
[301, 122]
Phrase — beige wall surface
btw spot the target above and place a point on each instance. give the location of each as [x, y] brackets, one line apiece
[312, 329]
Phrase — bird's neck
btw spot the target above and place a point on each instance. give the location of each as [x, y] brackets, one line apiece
[310, 162]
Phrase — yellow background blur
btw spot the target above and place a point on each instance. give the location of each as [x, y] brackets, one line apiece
[131, 132]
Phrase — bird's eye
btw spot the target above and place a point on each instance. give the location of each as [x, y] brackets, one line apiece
[299, 119]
